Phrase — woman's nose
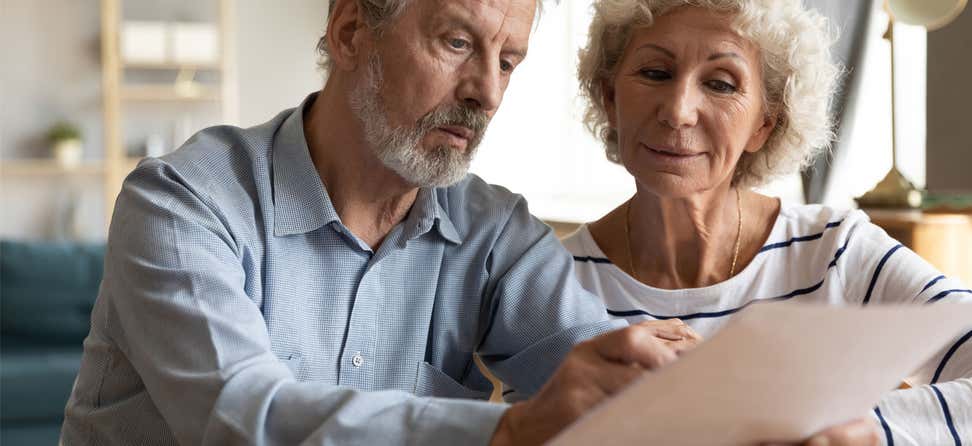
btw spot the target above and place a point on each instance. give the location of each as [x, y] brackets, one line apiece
[680, 105]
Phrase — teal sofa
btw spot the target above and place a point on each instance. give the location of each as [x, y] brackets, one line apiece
[47, 290]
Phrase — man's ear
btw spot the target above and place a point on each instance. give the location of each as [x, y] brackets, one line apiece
[345, 27]
[607, 98]
[758, 140]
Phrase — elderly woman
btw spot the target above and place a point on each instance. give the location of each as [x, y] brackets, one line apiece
[702, 100]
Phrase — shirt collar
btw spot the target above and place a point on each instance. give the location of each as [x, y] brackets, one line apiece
[427, 213]
[301, 202]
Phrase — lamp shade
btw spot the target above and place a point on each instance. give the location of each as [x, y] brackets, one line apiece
[931, 14]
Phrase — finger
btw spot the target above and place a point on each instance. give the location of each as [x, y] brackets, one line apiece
[681, 345]
[633, 345]
[612, 377]
[671, 329]
[675, 322]
[690, 332]
[686, 332]
[861, 432]
[670, 335]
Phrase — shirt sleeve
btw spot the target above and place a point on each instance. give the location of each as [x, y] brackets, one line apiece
[938, 410]
[532, 279]
[176, 292]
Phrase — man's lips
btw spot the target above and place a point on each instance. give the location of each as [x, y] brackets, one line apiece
[459, 131]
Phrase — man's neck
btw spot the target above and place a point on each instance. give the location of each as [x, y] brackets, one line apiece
[369, 198]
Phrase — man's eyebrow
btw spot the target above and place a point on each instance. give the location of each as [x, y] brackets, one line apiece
[519, 52]
[658, 48]
[463, 22]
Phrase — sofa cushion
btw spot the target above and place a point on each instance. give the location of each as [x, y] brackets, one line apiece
[47, 289]
[36, 384]
[30, 434]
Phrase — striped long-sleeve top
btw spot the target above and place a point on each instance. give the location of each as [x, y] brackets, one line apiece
[818, 254]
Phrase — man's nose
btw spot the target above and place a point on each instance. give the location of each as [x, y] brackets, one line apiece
[680, 105]
[482, 87]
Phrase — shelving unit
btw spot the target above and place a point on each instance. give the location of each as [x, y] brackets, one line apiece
[116, 92]
[48, 167]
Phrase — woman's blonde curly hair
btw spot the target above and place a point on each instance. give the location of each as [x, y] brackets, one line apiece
[799, 76]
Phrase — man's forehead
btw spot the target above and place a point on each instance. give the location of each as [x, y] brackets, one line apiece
[517, 12]
[510, 18]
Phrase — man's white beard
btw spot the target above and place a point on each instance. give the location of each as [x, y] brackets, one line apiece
[399, 148]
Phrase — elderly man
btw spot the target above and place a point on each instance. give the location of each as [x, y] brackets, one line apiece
[327, 277]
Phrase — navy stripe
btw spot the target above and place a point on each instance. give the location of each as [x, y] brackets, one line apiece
[787, 296]
[591, 259]
[877, 272]
[948, 416]
[932, 283]
[884, 425]
[948, 355]
[942, 295]
[805, 238]
[715, 314]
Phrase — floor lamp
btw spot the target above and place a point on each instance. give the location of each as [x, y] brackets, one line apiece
[895, 191]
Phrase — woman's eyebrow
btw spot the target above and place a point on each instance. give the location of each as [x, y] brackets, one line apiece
[724, 55]
[658, 48]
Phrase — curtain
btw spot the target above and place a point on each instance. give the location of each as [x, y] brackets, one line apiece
[851, 18]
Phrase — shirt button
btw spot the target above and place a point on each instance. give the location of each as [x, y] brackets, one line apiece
[357, 359]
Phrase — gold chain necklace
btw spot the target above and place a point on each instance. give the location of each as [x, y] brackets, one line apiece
[735, 250]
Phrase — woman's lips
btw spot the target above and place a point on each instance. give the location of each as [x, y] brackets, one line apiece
[671, 151]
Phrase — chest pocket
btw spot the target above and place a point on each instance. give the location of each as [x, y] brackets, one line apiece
[430, 381]
[293, 363]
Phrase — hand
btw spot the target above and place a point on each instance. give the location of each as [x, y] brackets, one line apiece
[860, 432]
[674, 333]
[592, 372]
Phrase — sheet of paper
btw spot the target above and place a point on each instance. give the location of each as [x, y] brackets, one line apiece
[776, 372]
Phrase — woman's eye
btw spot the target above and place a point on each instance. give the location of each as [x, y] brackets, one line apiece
[721, 86]
[459, 44]
[655, 75]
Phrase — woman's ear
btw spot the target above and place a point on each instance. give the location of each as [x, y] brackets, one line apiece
[607, 99]
[343, 27]
[762, 134]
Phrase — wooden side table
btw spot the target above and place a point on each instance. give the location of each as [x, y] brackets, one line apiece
[943, 239]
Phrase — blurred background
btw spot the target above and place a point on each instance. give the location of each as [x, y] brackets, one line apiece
[89, 87]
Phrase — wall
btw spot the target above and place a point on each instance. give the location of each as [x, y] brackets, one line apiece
[51, 71]
[950, 106]
[277, 41]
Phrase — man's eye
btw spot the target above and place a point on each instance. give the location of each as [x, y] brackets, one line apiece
[721, 86]
[459, 44]
[655, 75]
[506, 66]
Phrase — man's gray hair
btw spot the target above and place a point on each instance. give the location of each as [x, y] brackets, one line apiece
[798, 74]
[378, 14]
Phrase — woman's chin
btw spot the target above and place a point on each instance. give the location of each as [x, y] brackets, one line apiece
[668, 185]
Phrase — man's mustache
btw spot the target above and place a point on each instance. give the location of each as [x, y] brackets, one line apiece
[459, 116]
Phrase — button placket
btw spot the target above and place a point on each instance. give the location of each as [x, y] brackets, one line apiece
[355, 370]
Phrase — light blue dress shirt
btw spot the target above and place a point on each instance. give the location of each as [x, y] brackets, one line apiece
[237, 308]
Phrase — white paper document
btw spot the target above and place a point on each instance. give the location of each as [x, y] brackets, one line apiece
[777, 372]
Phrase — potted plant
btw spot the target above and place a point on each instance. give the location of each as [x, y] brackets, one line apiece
[65, 140]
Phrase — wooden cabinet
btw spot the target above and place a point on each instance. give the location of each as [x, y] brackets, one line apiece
[943, 239]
